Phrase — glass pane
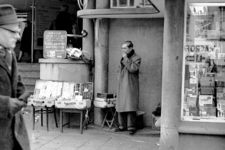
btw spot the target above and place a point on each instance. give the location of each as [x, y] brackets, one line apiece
[203, 96]
[131, 2]
[123, 3]
[114, 3]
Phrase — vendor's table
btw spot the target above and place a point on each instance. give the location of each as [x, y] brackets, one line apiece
[80, 111]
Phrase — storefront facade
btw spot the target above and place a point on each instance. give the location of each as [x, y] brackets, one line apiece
[191, 115]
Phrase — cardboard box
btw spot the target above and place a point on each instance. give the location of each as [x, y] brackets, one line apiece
[191, 102]
[220, 83]
[193, 89]
[207, 81]
[208, 111]
[205, 99]
[207, 90]
[221, 104]
[220, 62]
[193, 112]
[211, 111]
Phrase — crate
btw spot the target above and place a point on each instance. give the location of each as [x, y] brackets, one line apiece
[207, 90]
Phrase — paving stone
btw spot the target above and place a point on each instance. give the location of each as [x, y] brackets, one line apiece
[67, 148]
[88, 148]
[49, 145]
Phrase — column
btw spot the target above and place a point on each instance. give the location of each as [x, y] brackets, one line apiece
[172, 73]
[88, 41]
[88, 25]
[101, 57]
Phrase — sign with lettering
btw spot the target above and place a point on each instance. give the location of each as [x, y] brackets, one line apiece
[55, 42]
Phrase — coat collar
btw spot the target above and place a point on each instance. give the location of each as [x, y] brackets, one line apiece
[130, 54]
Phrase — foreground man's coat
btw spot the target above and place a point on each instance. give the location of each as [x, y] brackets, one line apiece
[128, 84]
[13, 132]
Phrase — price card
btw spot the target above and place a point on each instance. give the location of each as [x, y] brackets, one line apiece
[55, 42]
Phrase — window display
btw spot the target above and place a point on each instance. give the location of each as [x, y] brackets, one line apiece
[203, 90]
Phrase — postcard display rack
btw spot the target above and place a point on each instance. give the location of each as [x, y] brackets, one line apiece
[62, 94]
[203, 96]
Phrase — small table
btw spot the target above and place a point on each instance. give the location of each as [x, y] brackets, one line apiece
[80, 111]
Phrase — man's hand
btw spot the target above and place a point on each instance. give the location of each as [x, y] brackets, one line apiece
[24, 96]
[15, 105]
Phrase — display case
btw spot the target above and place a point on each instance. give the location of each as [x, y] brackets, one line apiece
[203, 85]
[45, 93]
[62, 94]
[75, 95]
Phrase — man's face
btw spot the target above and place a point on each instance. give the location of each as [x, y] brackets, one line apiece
[10, 36]
[63, 8]
[126, 49]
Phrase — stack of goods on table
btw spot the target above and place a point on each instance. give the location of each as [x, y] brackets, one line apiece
[75, 95]
[45, 93]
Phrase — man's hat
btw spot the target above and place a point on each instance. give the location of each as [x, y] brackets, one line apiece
[10, 16]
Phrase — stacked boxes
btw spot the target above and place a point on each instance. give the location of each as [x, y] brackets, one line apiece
[207, 106]
[192, 106]
[207, 90]
[220, 95]
[208, 80]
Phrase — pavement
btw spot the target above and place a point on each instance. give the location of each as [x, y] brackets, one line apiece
[94, 138]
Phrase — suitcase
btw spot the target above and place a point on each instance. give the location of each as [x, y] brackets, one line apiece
[104, 103]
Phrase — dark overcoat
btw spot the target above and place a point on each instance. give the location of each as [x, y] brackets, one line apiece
[128, 84]
[12, 126]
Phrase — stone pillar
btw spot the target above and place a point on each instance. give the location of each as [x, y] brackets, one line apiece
[101, 61]
[88, 41]
[101, 57]
[172, 73]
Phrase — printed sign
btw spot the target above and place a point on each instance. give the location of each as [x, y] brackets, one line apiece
[55, 43]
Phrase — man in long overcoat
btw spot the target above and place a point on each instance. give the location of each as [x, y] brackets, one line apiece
[13, 133]
[128, 88]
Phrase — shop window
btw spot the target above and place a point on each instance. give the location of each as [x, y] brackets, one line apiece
[203, 88]
[131, 3]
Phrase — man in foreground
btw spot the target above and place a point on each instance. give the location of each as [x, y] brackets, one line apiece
[13, 96]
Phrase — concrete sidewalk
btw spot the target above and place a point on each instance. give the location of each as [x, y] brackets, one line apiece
[94, 138]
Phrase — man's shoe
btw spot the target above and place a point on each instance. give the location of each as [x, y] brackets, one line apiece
[132, 132]
[119, 130]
